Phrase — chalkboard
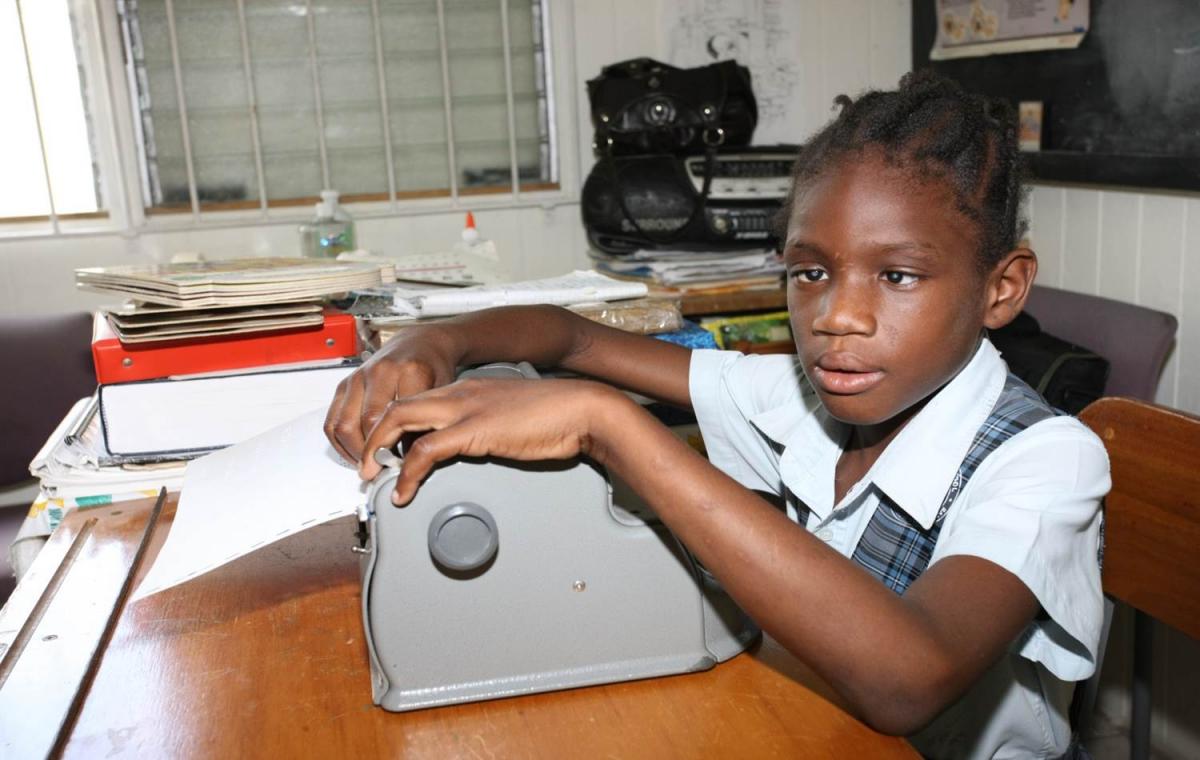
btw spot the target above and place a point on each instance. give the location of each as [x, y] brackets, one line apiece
[1121, 109]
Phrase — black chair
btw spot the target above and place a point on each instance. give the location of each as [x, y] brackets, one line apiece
[47, 367]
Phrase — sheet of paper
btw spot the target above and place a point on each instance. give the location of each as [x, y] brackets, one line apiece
[242, 498]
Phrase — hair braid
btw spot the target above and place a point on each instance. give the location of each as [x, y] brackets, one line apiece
[932, 125]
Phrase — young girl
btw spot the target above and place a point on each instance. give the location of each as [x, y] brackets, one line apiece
[935, 556]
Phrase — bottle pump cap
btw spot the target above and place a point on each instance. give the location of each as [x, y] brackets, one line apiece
[328, 202]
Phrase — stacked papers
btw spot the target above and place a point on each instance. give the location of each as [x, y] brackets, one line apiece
[144, 323]
[233, 282]
[581, 286]
[683, 268]
[73, 463]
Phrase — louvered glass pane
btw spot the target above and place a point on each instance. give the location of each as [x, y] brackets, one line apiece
[214, 86]
[319, 89]
[475, 44]
[529, 90]
[350, 95]
[287, 113]
[415, 105]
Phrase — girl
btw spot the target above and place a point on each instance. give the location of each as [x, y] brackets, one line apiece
[889, 504]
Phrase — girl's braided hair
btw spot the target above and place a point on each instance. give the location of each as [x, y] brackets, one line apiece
[933, 126]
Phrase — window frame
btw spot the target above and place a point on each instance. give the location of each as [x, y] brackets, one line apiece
[120, 163]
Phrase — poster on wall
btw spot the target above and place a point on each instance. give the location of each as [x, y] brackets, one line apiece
[972, 28]
[760, 34]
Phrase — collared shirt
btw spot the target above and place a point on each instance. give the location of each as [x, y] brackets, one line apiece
[1032, 507]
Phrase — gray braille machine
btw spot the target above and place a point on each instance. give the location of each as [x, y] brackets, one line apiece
[505, 578]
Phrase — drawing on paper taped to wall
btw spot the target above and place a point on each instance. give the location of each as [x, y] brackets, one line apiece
[760, 34]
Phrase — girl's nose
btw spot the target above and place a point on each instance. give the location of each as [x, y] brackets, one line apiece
[845, 310]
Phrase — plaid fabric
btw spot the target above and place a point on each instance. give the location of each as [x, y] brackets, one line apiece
[894, 548]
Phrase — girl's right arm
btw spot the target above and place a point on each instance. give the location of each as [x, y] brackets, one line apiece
[425, 356]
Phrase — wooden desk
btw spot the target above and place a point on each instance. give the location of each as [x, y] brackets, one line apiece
[732, 303]
[265, 658]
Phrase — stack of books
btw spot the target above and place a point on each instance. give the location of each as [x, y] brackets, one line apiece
[234, 282]
[203, 355]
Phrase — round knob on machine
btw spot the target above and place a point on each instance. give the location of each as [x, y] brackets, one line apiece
[463, 537]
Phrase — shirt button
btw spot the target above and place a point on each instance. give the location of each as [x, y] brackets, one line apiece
[825, 535]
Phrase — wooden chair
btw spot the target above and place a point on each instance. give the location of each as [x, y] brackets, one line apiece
[1152, 528]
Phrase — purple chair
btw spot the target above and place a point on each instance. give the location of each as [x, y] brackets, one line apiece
[47, 368]
[1136, 341]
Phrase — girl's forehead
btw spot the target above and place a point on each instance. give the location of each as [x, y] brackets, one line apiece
[870, 195]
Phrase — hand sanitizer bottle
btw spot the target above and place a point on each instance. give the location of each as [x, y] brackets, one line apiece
[331, 230]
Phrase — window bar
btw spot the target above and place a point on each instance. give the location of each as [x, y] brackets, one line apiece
[545, 89]
[183, 117]
[138, 96]
[546, 80]
[383, 104]
[37, 118]
[252, 104]
[316, 78]
[441, 15]
[508, 101]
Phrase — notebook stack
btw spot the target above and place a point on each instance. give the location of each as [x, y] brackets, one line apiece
[234, 282]
[202, 356]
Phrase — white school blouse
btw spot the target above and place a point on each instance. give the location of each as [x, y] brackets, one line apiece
[1032, 507]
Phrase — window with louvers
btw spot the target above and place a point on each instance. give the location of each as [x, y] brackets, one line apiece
[378, 99]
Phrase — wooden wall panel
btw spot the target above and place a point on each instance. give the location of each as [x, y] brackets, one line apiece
[1046, 232]
[1120, 226]
[1080, 254]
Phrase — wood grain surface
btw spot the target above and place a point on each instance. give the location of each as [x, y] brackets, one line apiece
[1152, 514]
[265, 658]
[695, 305]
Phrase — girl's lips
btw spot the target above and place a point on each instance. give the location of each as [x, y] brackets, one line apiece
[843, 382]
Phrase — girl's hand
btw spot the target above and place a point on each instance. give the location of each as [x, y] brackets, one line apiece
[512, 419]
[418, 359]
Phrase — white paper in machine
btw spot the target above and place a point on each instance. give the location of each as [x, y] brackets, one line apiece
[503, 578]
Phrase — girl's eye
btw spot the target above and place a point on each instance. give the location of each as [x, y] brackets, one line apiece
[809, 275]
[900, 278]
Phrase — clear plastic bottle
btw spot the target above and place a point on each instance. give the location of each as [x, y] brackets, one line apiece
[331, 230]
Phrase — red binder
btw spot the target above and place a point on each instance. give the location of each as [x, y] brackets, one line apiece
[121, 363]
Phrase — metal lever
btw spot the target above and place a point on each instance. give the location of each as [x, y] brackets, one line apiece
[387, 458]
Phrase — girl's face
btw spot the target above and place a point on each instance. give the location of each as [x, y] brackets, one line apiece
[885, 295]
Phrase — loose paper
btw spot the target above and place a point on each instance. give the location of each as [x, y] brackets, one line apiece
[242, 498]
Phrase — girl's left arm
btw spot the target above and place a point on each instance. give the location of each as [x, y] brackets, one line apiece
[897, 661]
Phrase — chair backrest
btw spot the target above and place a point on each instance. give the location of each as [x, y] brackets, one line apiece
[1152, 513]
[1134, 339]
[47, 367]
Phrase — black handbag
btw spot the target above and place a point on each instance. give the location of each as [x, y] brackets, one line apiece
[643, 106]
[1068, 376]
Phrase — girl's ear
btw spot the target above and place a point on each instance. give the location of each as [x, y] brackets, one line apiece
[1008, 286]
